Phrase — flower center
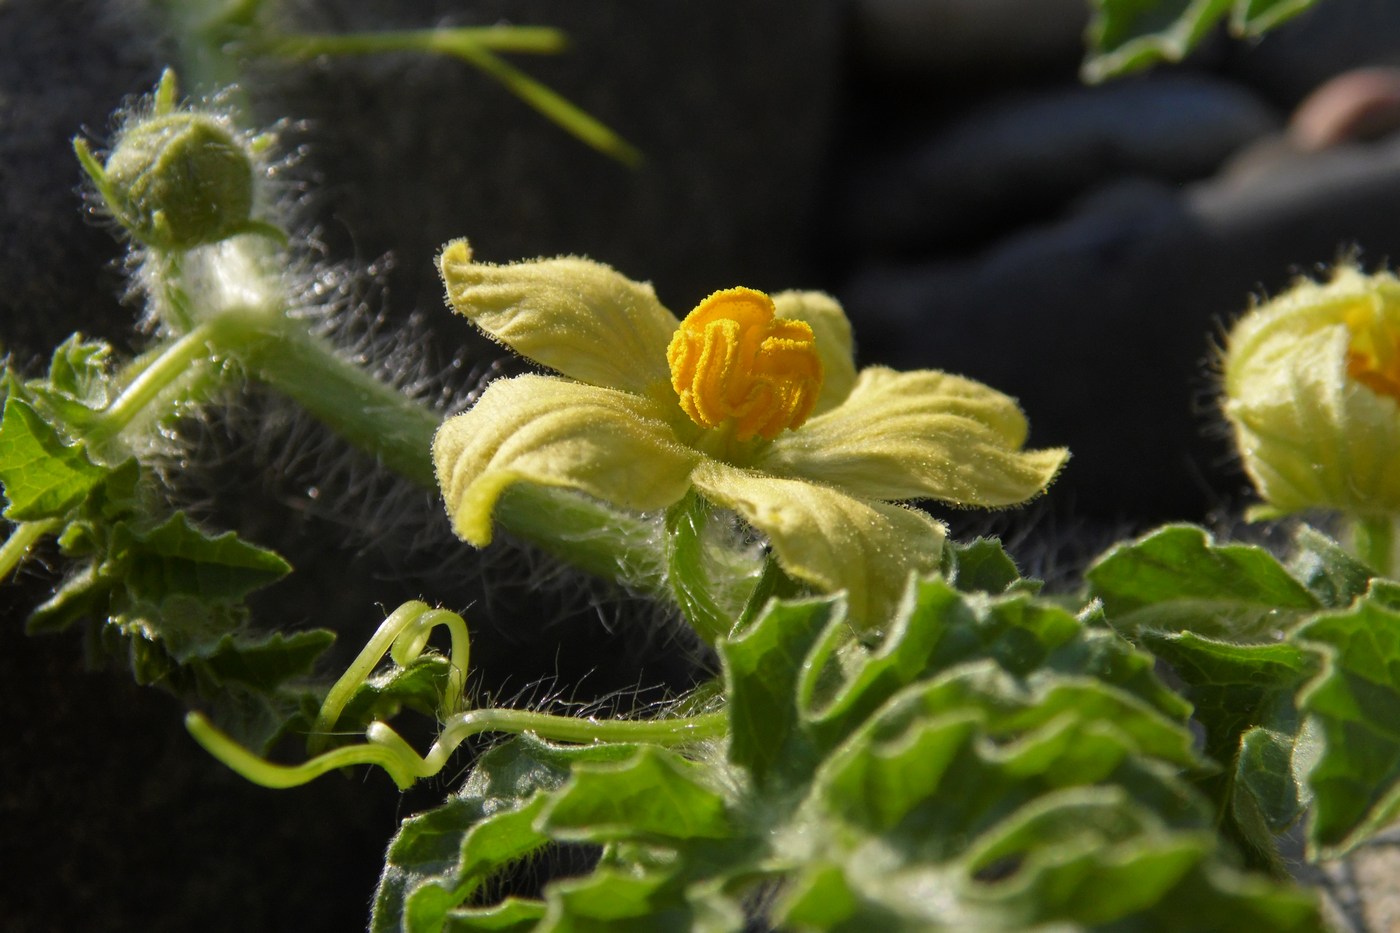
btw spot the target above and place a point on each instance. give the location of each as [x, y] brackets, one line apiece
[1373, 358]
[733, 360]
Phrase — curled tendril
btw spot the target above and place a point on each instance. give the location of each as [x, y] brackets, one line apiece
[404, 636]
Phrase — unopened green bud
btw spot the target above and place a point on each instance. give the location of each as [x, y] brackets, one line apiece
[1312, 390]
[180, 180]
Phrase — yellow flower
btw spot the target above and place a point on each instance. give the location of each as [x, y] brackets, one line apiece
[1312, 390]
[753, 402]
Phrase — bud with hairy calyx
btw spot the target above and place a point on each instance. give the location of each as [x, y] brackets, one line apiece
[178, 178]
[1312, 390]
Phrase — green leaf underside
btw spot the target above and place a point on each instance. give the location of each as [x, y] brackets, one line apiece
[1354, 704]
[1178, 579]
[992, 763]
[1128, 35]
[177, 558]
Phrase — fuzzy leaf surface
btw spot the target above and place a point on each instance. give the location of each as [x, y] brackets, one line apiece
[1333, 576]
[1178, 579]
[1355, 705]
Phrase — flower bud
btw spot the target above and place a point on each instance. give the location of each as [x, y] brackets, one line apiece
[1312, 390]
[180, 180]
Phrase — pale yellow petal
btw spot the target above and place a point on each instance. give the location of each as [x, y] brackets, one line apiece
[612, 445]
[835, 346]
[918, 435]
[579, 317]
[830, 540]
[1310, 437]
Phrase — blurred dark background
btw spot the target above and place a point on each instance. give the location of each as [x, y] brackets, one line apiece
[936, 164]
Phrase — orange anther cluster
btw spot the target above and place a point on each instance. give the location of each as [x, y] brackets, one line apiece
[733, 359]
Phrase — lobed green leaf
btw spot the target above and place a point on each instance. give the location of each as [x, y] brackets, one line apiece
[1178, 579]
[991, 763]
[1354, 704]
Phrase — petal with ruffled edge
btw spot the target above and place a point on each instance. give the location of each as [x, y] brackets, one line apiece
[835, 346]
[578, 317]
[828, 539]
[918, 435]
[612, 445]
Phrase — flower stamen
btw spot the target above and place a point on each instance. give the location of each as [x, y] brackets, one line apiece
[1373, 358]
[734, 360]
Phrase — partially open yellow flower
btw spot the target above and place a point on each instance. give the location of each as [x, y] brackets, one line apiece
[1312, 390]
[753, 402]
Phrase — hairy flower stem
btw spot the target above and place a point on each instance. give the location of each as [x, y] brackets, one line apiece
[220, 344]
[370, 414]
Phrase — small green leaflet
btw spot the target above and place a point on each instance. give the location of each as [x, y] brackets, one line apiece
[1128, 35]
[44, 475]
[420, 686]
[133, 566]
[44, 469]
[982, 566]
[175, 557]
